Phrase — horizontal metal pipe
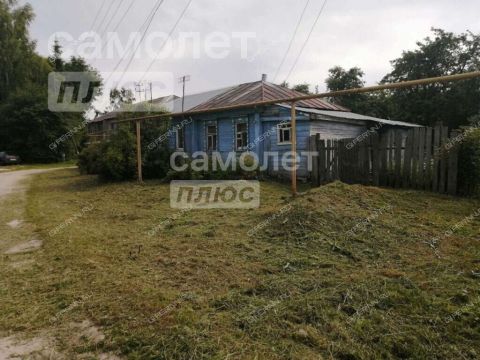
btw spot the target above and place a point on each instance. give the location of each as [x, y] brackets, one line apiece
[391, 86]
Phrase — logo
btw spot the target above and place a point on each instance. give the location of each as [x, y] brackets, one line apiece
[239, 194]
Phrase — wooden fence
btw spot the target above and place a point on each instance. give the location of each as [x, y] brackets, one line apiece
[415, 158]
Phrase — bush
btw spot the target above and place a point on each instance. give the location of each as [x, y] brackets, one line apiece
[469, 164]
[118, 161]
[218, 174]
[89, 159]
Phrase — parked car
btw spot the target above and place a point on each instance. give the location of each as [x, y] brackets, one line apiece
[6, 159]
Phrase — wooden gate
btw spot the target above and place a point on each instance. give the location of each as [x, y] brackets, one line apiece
[420, 158]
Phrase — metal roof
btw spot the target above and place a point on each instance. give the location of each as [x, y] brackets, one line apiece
[351, 116]
[261, 91]
[194, 100]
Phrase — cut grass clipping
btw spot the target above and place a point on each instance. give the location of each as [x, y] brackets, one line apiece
[345, 272]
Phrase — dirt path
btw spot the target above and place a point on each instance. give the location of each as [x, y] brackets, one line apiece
[13, 181]
[19, 245]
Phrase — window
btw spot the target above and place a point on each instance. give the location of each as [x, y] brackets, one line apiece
[211, 137]
[241, 136]
[284, 132]
[180, 139]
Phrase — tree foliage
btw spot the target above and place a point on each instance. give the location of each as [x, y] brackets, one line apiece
[28, 127]
[451, 103]
[341, 79]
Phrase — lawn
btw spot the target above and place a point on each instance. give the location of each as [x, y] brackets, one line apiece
[346, 272]
[70, 163]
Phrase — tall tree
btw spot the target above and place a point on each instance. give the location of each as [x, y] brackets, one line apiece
[16, 49]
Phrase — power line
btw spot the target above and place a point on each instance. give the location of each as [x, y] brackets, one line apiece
[123, 16]
[118, 24]
[169, 35]
[98, 14]
[306, 41]
[111, 17]
[106, 13]
[147, 26]
[291, 40]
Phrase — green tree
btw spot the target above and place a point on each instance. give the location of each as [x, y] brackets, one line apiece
[17, 58]
[120, 97]
[341, 79]
[303, 88]
[451, 103]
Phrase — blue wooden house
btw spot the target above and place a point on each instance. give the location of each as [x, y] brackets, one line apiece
[240, 130]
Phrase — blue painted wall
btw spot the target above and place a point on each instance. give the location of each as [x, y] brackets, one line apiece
[260, 121]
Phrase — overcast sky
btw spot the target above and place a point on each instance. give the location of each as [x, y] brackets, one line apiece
[367, 34]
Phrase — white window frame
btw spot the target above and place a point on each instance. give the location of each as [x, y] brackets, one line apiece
[208, 135]
[280, 129]
[177, 138]
[245, 147]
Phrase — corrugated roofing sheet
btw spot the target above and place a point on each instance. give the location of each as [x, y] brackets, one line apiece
[351, 116]
[258, 91]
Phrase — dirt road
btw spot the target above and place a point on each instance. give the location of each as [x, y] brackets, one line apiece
[13, 181]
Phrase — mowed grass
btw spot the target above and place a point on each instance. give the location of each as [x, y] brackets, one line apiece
[300, 288]
[70, 163]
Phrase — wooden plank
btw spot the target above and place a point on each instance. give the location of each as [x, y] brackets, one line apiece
[421, 159]
[436, 157]
[341, 148]
[392, 159]
[321, 164]
[383, 158]
[407, 164]
[335, 164]
[415, 156]
[398, 158]
[443, 161]
[313, 148]
[359, 163]
[376, 154]
[329, 154]
[453, 168]
[428, 159]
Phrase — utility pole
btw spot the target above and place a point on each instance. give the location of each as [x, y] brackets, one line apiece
[139, 89]
[183, 80]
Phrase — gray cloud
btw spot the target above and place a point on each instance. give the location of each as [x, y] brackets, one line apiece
[366, 33]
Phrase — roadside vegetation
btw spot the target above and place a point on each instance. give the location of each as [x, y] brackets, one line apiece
[345, 272]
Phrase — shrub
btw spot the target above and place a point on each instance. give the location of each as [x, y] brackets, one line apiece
[89, 159]
[217, 174]
[118, 160]
[469, 164]
[115, 159]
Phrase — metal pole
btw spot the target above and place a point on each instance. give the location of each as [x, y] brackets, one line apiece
[183, 95]
[399, 85]
[294, 149]
[139, 152]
